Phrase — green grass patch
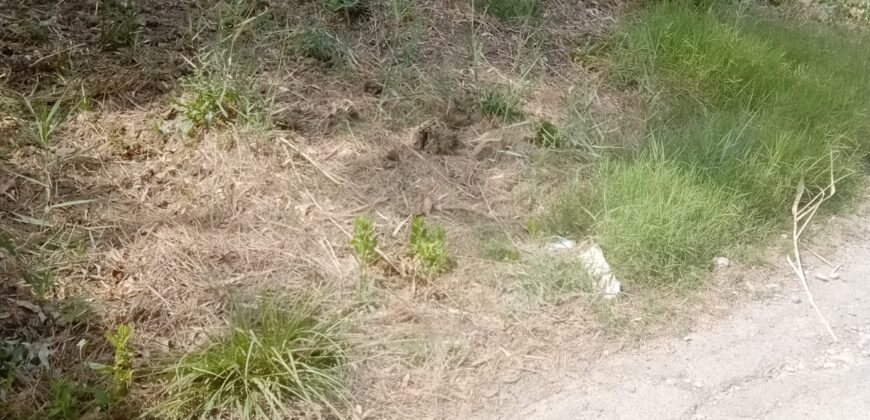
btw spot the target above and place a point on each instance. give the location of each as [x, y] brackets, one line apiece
[745, 108]
[660, 221]
[273, 363]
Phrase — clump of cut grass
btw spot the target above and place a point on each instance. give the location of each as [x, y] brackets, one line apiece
[118, 26]
[273, 363]
[510, 10]
[320, 44]
[429, 248]
[500, 103]
[364, 242]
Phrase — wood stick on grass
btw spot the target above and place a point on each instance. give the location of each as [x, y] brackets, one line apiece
[801, 216]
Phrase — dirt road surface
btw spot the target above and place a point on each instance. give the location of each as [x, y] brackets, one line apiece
[771, 359]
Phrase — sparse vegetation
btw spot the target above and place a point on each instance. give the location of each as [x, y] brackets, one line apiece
[120, 372]
[510, 10]
[552, 280]
[547, 135]
[364, 242]
[274, 362]
[500, 103]
[216, 93]
[118, 24]
[497, 246]
[341, 6]
[428, 247]
[320, 44]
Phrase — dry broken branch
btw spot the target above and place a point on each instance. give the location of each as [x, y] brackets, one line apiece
[801, 217]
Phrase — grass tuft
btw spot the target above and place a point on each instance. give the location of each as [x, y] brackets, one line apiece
[510, 10]
[320, 44]
[547, 135]
[500, 103]
[274, 363]
[660, 222]
[217, 93]
[118, 25]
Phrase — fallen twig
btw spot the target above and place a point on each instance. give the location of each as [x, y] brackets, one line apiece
[801, 217]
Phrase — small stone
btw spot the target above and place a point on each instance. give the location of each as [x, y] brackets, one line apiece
[788, 368]
[829, 365]
[697, 384]
[795, 299]
[773, 287]
[721, 263]
[671, 381]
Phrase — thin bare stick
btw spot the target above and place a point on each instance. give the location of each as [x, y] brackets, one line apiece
[801, 217]
[821, 258]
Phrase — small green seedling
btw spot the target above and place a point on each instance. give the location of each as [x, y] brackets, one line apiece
[429, 248]
[364, 242]
[120, 373]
